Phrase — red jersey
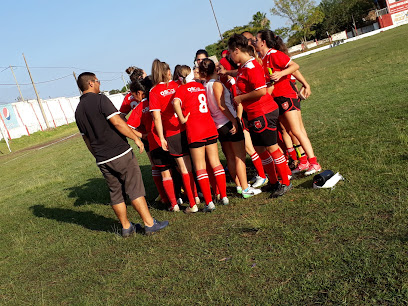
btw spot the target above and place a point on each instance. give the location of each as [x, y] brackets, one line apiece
[278, 61]
[252, 77]
[128, 104]
[200, 124]
[160, 97]
[142, 120]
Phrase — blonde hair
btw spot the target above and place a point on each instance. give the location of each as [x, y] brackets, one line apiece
[182, 72]
[160, 72]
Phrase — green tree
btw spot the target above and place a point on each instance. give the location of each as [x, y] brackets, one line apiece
[259, 22]
[302, 15]
[339, 14]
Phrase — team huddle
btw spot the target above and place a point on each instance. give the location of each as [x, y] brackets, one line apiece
[250, 105]
[248, 102]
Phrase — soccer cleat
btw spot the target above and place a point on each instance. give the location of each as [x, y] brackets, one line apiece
[313, 168]
[210, 207]
[179, 201]
[191, 210]
[250, 192]
[239, 189]
[281, 190]
[225, 201]
[174, 208]
[197, 200]
[259, 182]
[157, 226]
[301, 168]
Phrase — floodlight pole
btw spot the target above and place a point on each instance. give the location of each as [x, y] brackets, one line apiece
[216, 20]
[123, 79]
[38, 97]
[18, 86]
[76, 82]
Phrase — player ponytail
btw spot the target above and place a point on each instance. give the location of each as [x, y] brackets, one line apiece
[160, 72]
[182, 74]
[273, 41]
[206, 68]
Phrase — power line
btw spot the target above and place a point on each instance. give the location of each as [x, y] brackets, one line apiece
[40, 82]
[49, 67]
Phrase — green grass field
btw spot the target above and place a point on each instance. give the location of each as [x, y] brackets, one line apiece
[59, 241]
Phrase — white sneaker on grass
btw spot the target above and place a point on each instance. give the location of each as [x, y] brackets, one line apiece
[210, 207]
[225, 201]
[174, 208]
[259, 182]
[197, 200]
[179, 201]
[250, 192]
[239, 189]
[191, 210]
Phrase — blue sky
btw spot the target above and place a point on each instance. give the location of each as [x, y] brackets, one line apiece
[107, 36]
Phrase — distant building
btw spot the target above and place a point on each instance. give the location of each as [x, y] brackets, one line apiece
[392, 12]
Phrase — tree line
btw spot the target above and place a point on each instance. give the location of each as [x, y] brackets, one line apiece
[306, 20]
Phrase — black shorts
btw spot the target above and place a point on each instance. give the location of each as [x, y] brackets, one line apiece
[123, 177]
[161, 159]
[296, 104]
[285, 104]
[224, 133]
[205, 142]
[263, 129]
[178, 144]
[244, 121]
[146, 144]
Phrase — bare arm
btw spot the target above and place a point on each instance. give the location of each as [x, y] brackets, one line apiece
[219, 97]
[125, 130]
[292, 67]
[222, 70]
[177, 109]
[301, 79]
[253, 95]
[159, 128]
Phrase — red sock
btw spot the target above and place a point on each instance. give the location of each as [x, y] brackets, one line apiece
[157, 178]
[303, 159]
[169, 187]
[281, 164]
[204, 182]
[258, 165]
[193, 184]
[219, 174]
[292, 153]
[269, 167]
[313, 160]
[187, 188]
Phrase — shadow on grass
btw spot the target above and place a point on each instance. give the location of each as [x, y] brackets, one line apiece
[306, 185]
[94, 191]
[86, 219]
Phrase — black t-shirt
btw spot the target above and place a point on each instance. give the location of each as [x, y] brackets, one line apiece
[92, 118]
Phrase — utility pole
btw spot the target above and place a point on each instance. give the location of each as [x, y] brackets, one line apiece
[123, 79]
[76, 82]
[21, 95]
[354, 23]
[38, 97]
[216, 20]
